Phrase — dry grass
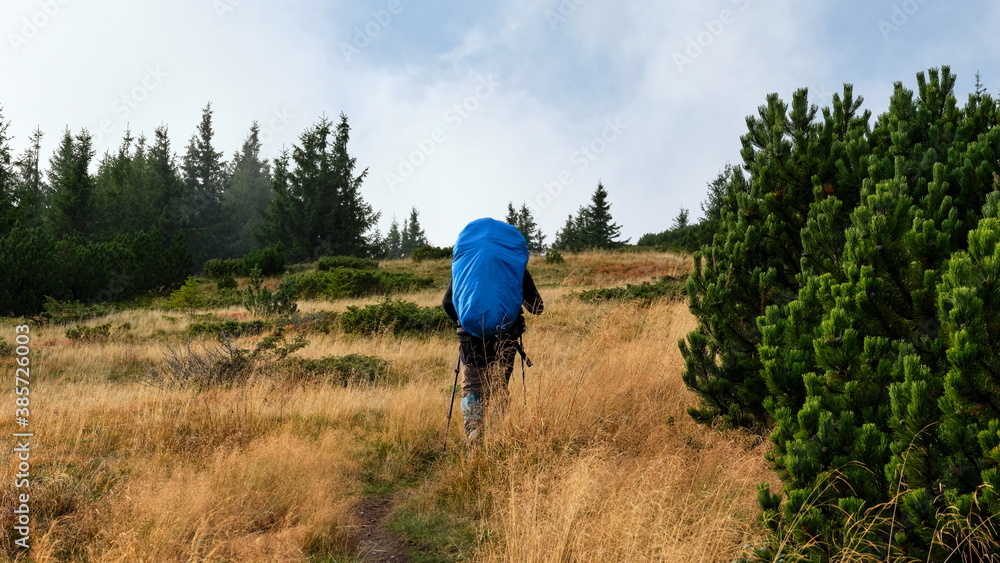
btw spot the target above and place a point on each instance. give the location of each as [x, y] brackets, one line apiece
[595, 460]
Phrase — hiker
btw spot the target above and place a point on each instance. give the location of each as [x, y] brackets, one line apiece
[490, 283]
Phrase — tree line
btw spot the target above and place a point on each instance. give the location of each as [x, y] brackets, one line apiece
[141, 203]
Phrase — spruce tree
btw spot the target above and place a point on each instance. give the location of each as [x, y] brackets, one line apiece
[568, 238]
[592, 227]
[71, 202]
[393, 244]
[511, 218]
[530, 229]
[247, 195]
[681, 221]
[413, 235]
[168, 189]
[597, 229]
[8, 184]
[205, 178]
[715, 198]
[352, 218]
[31, 191]
[317, 208]
[524, 220]
[122, 201]
[285, 220]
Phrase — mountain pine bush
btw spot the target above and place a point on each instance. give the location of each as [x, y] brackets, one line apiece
[846, 306]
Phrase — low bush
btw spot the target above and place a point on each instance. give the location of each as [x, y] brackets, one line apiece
[228, 282]
[97, 333]
[270, 260]
[6, 349]
[222, 365]
[429, 252]
[554, 257]
[188, 296]
[36, 266]
[398, 317]
[340, 283]
[668, 287]
[222, 268]
[231, 329]
[261, 302]
[73, 311]
[326, 263]
[340, 370]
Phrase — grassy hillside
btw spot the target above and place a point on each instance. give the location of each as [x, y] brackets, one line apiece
[595, 459]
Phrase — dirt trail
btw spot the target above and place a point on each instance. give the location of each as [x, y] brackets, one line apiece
[377, 543]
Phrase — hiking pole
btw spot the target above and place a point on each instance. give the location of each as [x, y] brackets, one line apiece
[451, 405]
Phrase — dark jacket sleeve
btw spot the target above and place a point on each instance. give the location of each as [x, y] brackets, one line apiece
[449, 306]
[532, 300]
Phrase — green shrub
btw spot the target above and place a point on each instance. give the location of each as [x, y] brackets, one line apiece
[341, 283]
[198, 293]
[97, 333]
[221, 268]
[228, 282]
[187, 297]
[352, 262]
[74, 311]
[270, 260]
[429, 252]
[341, 370]
[231, 329]
[6, 349]
[668, 287]
[554, 257]
[847, 307]
[261, 302]
[36, 266]
[398, 317]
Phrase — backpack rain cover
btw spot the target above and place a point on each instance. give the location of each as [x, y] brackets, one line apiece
[487, 276]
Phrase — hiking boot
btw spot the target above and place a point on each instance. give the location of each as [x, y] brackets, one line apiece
[472, 414]
[474, 437]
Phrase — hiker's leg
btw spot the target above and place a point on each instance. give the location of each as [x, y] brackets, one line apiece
[501, 367]
[472, 403]
[475, 389]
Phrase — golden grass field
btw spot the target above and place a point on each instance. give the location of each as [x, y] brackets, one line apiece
[595, 460]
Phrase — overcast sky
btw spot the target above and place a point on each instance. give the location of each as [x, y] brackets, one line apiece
[459, 107]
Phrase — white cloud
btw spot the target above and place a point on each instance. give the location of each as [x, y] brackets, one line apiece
[558, 82]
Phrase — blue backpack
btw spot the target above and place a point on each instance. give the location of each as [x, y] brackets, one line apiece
[487, 273]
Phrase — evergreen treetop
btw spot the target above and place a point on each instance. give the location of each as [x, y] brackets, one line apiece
[592, 227]
[412, 236]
